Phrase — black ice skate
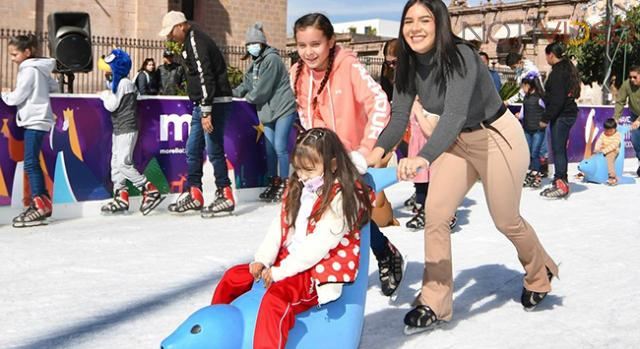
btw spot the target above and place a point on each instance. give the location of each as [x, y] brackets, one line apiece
[36, 214]
[151, 198]
[531, 299]
[119, 204]
[559, 190]
[276, 195]
[223, 204]
[267, 194]
[391, 269]
[453, 222]
[410, 202]
[420, 319]
[189, 200]
[417, 221]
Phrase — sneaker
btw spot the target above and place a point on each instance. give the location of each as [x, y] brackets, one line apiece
[421, 318]
[35, 214]
[531, 299]
[224, 203]
[267, 194]
[119, 203]
[417, 222]
[151, 198]
[276, 195]
[190, 200]
[390, 269]
[559, 190]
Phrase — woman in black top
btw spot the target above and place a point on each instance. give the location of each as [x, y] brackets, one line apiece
[476, 137]
[562, 88]
[148, 80]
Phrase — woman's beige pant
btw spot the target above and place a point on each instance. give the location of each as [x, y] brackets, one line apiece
[499, 155]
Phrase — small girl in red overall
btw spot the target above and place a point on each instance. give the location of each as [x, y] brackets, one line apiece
[313, 248]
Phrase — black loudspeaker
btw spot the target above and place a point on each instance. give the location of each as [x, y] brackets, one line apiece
[70, 41]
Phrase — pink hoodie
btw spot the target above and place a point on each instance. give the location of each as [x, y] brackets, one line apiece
[351, 103]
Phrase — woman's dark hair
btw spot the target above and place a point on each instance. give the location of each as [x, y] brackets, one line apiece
[321, 145]
[447, 55]
[536, 85]
[144, 63]
[24, 42]
[322, 23]
[390, 48]
[565, 65]
[610, 124]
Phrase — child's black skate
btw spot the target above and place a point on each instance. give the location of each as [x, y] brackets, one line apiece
[417, 222]
[189, 200]
[454, 221]
[223, 204]
[36, 214]
[267, 194]
[420, 319]
[391, 269]
[119, 204]
[151, 198]
[531, 299]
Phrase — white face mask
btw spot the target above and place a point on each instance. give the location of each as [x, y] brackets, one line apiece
[313, 184]
[254, 49]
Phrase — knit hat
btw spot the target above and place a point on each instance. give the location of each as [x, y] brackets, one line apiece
[255, 34]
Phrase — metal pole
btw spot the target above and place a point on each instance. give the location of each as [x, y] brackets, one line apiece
[607, 54]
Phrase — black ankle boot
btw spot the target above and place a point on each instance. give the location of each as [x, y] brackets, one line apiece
[530, 299]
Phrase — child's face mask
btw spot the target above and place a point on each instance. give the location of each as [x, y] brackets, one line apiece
[313, 184]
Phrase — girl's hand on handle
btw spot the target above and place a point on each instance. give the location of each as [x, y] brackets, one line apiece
[266, 277]
[256, 269]
[408, 167]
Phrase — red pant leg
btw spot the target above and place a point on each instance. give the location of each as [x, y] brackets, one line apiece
[278, 309]
[235, 282]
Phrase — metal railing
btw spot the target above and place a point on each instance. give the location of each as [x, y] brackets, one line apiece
[138, 49]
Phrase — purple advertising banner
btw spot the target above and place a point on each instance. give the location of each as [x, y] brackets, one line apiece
[76, 154]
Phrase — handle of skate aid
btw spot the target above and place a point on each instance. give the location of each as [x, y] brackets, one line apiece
[381, 178]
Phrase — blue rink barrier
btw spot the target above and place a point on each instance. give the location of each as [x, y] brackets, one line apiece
[336, 325]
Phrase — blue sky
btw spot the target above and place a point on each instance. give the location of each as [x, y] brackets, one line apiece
[348, 10]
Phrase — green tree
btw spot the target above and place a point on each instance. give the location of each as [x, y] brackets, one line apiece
[590, 52]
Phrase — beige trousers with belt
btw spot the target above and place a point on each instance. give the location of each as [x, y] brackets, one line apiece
[499, 156]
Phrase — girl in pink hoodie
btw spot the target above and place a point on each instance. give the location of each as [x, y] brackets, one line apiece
[334, 90]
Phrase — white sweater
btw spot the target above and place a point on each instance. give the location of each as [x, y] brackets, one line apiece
[31, 96]
[329, 230]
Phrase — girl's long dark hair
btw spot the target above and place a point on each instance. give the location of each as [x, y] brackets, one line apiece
[144, 63]
[449, 59]
[321, 145]
[322, 23]
[536, 85]
[565, 65]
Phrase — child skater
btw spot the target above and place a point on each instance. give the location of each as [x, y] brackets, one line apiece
[312, 249]
[609, 145]
[531, 114]
[120, 100]
[334, 90]
[31, 96]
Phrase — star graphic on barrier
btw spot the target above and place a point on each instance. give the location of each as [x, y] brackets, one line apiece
[259, 131]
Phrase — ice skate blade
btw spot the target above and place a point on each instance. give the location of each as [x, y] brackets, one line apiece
[148, 210]
[30, 224]
[214, 215]
[410, 330]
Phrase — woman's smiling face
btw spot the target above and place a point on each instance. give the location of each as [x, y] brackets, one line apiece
[419, 28]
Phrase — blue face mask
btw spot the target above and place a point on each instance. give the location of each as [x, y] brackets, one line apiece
[254, 49]
[313, 184]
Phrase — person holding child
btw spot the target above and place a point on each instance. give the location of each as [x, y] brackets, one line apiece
[476, 137]
[121, 99]
[312, 249]
[609, 145]
[31, 97]
[334, 90]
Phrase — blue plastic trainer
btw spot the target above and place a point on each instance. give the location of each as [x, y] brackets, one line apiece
[595, 168]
